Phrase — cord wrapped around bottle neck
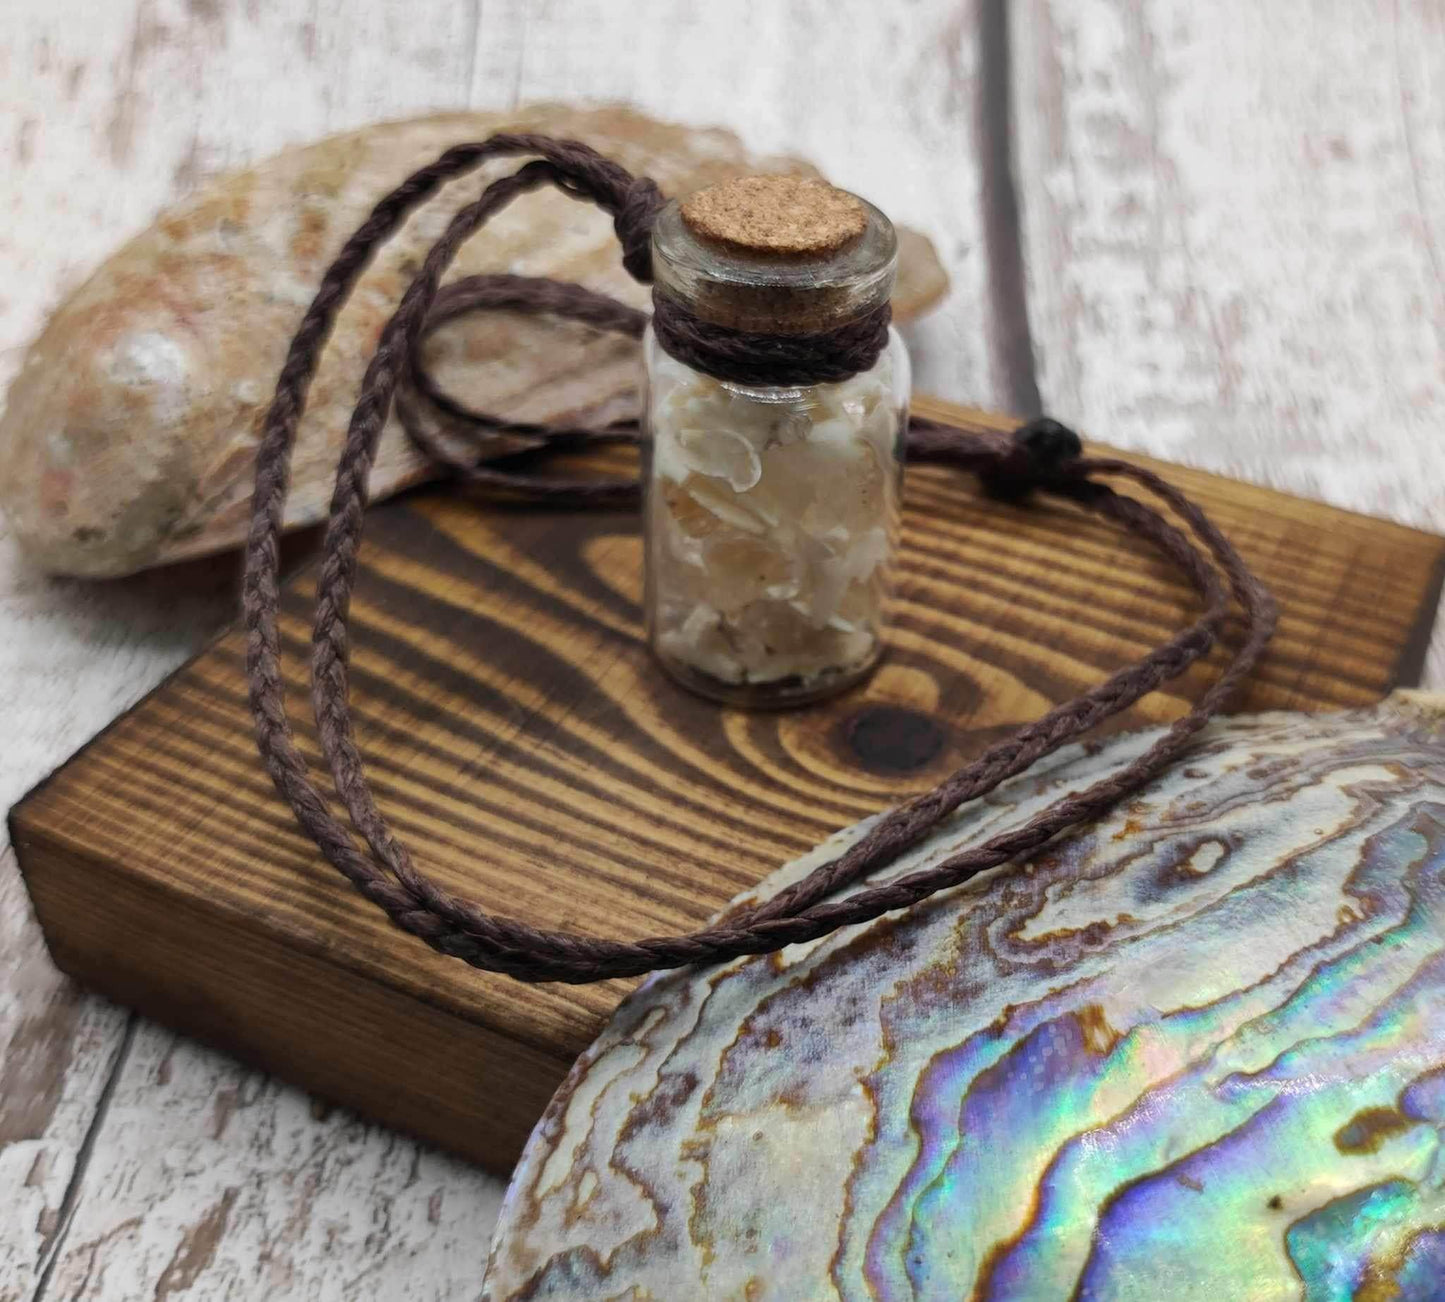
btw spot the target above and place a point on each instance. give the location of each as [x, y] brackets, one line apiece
[781, 360]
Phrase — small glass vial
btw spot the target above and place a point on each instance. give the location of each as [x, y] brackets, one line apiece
[771, 513]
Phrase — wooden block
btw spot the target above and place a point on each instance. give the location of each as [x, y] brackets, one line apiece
[534, 760]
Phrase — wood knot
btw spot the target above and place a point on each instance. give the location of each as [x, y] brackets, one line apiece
[892, 739]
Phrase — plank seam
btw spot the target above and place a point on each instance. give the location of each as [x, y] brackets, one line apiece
[70, 1201]
[1010, 341]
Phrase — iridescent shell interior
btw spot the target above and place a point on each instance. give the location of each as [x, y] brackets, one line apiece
[1196, 1051]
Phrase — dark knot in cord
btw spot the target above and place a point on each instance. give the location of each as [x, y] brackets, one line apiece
[782, 360]
[632, 201]
[1038, 456]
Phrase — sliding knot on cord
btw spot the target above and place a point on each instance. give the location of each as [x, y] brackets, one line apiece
[1038, 456]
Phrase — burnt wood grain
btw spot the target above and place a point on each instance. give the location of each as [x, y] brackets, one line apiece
[533, 758]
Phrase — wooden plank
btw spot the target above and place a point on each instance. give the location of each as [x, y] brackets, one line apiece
[58, 1050]
[210, 1182]
[1234, 231]
[534, 758]
[108, 112]
[887, 105]
[118, 108]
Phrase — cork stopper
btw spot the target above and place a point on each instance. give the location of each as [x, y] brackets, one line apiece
[774, 254]
[776, 216]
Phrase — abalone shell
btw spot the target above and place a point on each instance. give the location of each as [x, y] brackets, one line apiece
[1196, 1051]
[128, 438]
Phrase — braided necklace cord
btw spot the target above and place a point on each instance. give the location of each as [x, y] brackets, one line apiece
[1041, 456]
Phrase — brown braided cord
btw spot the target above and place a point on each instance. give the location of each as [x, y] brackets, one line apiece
[384, 872]
[418, 390]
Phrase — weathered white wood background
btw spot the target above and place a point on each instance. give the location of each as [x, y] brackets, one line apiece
[1230, 220]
